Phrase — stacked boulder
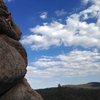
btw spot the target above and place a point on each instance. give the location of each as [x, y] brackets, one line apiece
[13, 61]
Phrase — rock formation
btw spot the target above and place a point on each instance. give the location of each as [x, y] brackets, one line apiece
[13, 61]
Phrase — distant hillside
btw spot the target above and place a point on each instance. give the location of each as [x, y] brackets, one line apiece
[89, 91]
[91, 85]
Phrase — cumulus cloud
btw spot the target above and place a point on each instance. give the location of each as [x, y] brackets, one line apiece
[78, 30]
[43, 15]
[85, 1]
[8, 0]
[60, 12]
[76, 63]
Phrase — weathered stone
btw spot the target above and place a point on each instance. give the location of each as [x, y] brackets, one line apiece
[21, 91]
[12, 66]
[13, 61]
[17, 45]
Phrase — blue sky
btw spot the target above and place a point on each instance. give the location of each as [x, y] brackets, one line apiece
[62, 39]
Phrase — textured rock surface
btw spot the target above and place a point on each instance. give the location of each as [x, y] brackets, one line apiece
[12, 66]
[13, 61]
[22, 91]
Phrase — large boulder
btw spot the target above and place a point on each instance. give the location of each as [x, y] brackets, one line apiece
[12, 66]
[13, 63]
[22, 91]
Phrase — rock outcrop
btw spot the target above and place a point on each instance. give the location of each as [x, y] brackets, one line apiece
[13, 61]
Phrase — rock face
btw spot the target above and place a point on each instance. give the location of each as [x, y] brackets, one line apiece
[13, 61]
[21, 91]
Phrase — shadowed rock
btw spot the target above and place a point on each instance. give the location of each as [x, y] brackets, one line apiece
[13, 61]
[21, 91]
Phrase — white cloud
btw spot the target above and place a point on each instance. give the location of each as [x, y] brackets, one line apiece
[91, 1]
[60, 12]
[76, 32]
[43, 15]
[85, 1]
[8, 0]
[76, 63]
